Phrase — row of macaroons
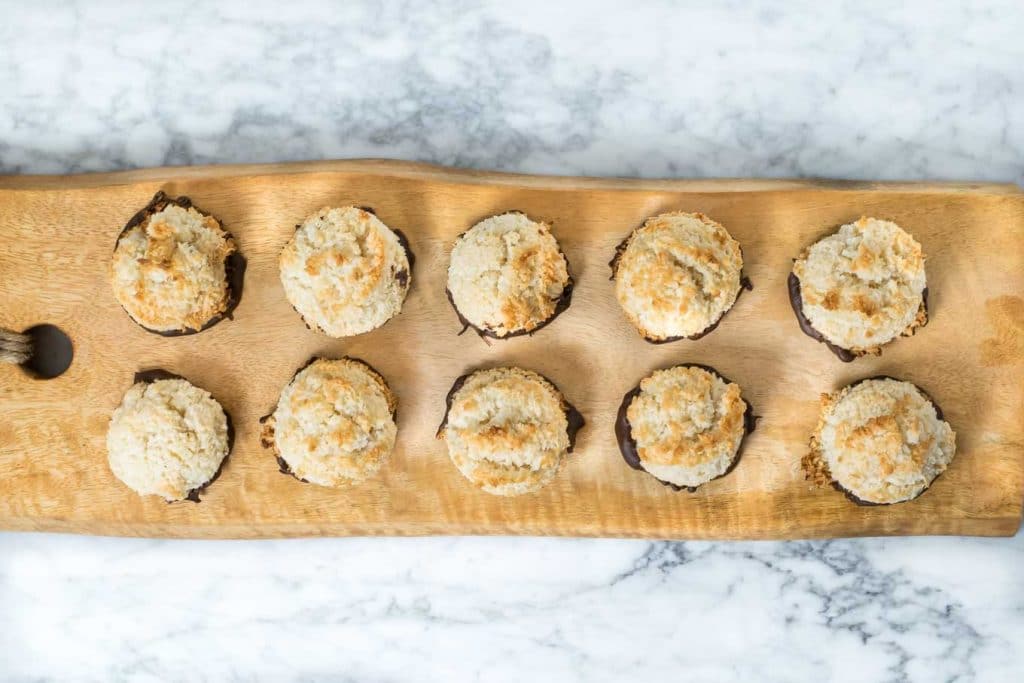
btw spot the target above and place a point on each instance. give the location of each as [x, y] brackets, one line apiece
[175, 270]
[507, 430]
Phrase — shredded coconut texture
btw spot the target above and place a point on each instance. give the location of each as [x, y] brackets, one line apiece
[688, 424]
[334, 424]
[507, 274]
[678, 275]
[863, 286]
[507, 430]
[882, 440]
[345, 272]
[169, 272]
[167, 438]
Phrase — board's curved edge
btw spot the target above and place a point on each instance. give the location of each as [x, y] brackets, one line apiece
[415, 169]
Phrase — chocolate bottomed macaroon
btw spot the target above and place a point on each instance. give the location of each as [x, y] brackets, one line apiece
[677, 275]
[508, 277]
[334, 424]
[168, 437]
[508, 429]
[684, 425]
[346, 272]
[879, 441]
[175, 270]
[860, 288]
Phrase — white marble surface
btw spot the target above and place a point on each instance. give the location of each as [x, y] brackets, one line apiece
[839, 89]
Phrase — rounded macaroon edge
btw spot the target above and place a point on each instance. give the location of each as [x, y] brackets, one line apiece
[620, 249]
[234, 262]
[848, 355]
[561, 304]
[159, 374]
[267, 422]
[573, 417]
[573, 422]
[627, 445]
[403, 277]
[814, 466]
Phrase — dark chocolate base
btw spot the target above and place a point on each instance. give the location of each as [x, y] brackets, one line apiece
[745, 284]
[560, 306]
[402, 276]
[234, 264]
[573, 417]
[850, 495]
[282, 465]
[155, 374]
[796, 301]
[283, 468]
[627, 444]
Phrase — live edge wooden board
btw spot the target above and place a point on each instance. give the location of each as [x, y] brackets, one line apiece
[57, 234]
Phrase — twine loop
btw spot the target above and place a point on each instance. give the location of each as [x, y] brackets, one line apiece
[15, 347]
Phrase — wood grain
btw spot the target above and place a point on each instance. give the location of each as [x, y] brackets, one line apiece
[58, 233]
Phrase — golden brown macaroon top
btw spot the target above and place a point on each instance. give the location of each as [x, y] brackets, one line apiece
[507, 430]
[688, 424]
[882, 440]
[863, 286]
[169, 272]
[507, 275]
[345, 271]
[677, 275]
[334, 424]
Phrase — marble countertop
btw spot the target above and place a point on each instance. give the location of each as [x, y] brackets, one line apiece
[913, 90]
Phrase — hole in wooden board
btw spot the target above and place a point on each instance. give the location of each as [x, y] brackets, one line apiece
[52, 352]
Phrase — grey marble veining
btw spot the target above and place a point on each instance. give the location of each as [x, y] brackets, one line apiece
[922, 90]
[805, 88]
[932, 609]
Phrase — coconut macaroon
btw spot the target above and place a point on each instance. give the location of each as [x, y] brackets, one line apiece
[881, 441]
[175, 270]
[168, 438]
[508, 429]
[683, 425]
[860, 288]
[507, 276]
[334, 424]
[345, 272]
[677, 275]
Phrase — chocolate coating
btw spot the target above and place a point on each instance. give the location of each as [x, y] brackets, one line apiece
[404, 241]
[745, 284]
[796, 301]
[627, 444]
[561, 305]
[234, 263]
[150, 376]
[402, 276]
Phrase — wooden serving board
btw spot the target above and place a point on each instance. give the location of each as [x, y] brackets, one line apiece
[58, 233]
